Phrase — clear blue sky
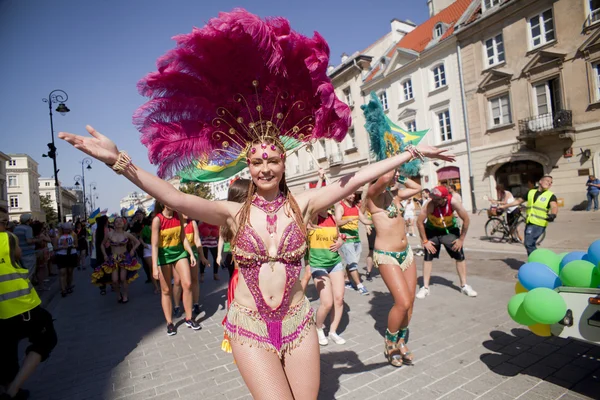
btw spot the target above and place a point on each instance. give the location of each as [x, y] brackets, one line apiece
[97, 50]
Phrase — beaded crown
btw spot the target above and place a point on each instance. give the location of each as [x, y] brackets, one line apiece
[237, 81]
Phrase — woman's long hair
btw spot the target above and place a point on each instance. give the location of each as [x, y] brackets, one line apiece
[238, 192]
[290, 208]
[100, 227]
[158, 207]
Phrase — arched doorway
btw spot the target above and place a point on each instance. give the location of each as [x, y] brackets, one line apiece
[449, 176]
[519, 176]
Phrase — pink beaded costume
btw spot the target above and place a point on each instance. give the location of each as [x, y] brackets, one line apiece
[241, 80]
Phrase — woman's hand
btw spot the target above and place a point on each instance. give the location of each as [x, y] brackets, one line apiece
[336, 245]
[98, 146]
[132, 253]
[155, 273]
[192, 260]
[434, 152]
[204, 261]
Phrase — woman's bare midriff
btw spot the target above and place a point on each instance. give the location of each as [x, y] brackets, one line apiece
[390, 233]
[271, 284]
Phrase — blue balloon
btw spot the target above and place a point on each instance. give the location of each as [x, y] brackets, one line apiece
[535, 275]
[572, 256]
[594, 252]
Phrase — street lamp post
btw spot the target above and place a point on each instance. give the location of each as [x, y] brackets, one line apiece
[86, 163]
[56, 96]
[92, 196]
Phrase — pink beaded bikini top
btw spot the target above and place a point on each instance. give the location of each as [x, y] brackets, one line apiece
[250, 250]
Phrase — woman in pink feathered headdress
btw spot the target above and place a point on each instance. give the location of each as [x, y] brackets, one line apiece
[240, 89]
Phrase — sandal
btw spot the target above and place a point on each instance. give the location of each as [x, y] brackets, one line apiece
[392, 353]
[407, 355]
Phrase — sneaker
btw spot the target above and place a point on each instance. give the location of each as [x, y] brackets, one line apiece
[337, 339]
[322, 338]
[369, 278]
[363, 290]
[177, 312]
[422, 293]
[468, 290]
[349, 285]
[193, 324]
[196, 309]
[171, 330]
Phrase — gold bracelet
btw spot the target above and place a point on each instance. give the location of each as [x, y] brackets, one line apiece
[123, 162]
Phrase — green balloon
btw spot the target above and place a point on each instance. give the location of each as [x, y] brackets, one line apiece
[544, 306]
[579, 273]
[546, 257]
[517, 312]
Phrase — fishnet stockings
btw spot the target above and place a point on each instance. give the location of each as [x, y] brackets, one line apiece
[267, 378]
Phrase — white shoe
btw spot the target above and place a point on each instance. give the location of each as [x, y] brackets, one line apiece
[423, 292]
[322, 338]
[468, 290]
[337, 339]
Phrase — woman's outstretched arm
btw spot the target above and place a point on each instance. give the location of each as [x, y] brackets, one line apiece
[103, 149]
[336, 191]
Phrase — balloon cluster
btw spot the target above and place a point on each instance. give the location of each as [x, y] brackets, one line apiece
[536, 304]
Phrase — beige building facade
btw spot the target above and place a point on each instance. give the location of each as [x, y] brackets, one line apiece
[531, 74]
[339, 159]
[23, 187]
[47, 189]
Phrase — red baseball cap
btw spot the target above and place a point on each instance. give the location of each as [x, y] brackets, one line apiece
[440, 191]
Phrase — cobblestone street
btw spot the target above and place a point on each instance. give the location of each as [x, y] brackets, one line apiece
[465, 348]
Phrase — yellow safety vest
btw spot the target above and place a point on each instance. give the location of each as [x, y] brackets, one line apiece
[17, 295]
[537, 211]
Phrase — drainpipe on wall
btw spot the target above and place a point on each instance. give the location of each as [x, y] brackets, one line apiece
[466, 125]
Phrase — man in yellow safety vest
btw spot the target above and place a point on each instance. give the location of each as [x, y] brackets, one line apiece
[542, 208]
[21, 316]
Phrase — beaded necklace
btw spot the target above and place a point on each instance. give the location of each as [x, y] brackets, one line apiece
[270, 208]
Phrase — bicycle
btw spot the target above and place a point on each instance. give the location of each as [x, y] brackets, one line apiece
[498, 229]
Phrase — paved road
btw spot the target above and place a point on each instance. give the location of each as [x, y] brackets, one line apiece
[465, 348]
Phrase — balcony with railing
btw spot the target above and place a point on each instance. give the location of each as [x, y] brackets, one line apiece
[592, 18]
[545, 124]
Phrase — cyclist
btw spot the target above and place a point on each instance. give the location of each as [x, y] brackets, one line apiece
[506, 197]
[542, 208]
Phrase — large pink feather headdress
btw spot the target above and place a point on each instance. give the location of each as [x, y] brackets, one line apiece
[238, 80]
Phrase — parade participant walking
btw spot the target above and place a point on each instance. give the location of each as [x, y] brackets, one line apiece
[441, 229]
[270, 322]
[593, 189]
[542, 207]
[42, 254]
[347, 216]
[99, 277]
[27, 242]
[121, 264]
[66, 257]
[193, 238]
[170, 251]
[146, 243]
[209, 237]
[394, 259]
[82, 245]
[21, 316]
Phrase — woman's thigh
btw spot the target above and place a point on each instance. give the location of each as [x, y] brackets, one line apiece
[338, 286]
[401, 284]
[303, 368]
[165, 277]
[182, 267]
[262, 371]
[323, 286]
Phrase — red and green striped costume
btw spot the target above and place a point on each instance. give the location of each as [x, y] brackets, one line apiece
[170, 246]
[320, 240]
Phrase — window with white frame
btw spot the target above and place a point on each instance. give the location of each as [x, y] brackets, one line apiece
[311, 164]
[322, 149]
[500, 110]
[13, 201]
[48, 196]
[494, 50]
[407, 90]
[13, 181]
[439, 76]
[487, 4]
[444, 126]
[383, 100]
[594, 11]
[350, 139]
[438, 31]
[547, 97]
[46, 183]
[596, 69]
[541, 29]
[411, 125]
[348, 96]
[12, 163]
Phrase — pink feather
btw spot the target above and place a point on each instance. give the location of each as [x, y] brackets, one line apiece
[210, 68]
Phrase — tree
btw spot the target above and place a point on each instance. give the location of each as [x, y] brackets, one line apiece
[199, 189]
[48, 208]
